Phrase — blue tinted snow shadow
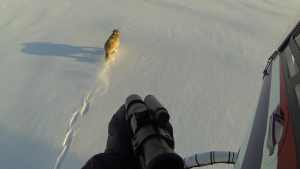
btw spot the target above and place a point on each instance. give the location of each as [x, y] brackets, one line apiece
[88, 54]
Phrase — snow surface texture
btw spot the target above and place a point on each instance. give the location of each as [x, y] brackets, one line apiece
[202, 59]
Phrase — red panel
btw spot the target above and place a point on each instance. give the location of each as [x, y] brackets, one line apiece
[287, 158]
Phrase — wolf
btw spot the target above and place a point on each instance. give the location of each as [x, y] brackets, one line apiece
[112, 44]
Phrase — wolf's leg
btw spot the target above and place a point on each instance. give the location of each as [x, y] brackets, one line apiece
[107, 57]
[115, 51]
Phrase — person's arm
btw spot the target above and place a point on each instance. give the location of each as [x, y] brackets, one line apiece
[119, 151]
[105, 161]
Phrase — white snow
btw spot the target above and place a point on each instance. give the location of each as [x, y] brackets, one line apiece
[203, 60]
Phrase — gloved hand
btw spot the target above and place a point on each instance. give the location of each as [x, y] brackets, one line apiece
[119, 151]
[120, 135]
[119, 138]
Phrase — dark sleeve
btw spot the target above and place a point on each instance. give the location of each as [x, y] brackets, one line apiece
[104, 161]
[119, 153]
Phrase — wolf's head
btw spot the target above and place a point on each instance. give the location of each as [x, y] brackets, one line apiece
[116, 32]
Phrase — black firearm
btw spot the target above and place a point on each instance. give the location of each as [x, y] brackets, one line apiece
[151, 143]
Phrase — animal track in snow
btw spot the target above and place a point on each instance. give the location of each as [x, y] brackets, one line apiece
[74, 118]
[85, 108]
[66, 144]
[70, 132]
[77, 117]
[86, 105]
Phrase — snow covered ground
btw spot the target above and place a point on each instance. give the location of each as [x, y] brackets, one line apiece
[203, 60]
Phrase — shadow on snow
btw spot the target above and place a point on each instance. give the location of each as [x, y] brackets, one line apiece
[50, 49]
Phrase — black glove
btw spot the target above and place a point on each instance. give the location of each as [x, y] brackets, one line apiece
[119, 139]
[119, 150]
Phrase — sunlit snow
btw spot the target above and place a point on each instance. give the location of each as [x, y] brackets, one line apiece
[203, 60]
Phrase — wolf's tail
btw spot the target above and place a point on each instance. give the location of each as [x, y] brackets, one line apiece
[107, 56]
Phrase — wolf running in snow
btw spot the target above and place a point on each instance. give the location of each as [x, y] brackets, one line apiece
[112, 44]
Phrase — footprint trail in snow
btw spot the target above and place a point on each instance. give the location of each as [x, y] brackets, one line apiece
[78, 116]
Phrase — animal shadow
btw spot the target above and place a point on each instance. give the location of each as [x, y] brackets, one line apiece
[86, 54]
